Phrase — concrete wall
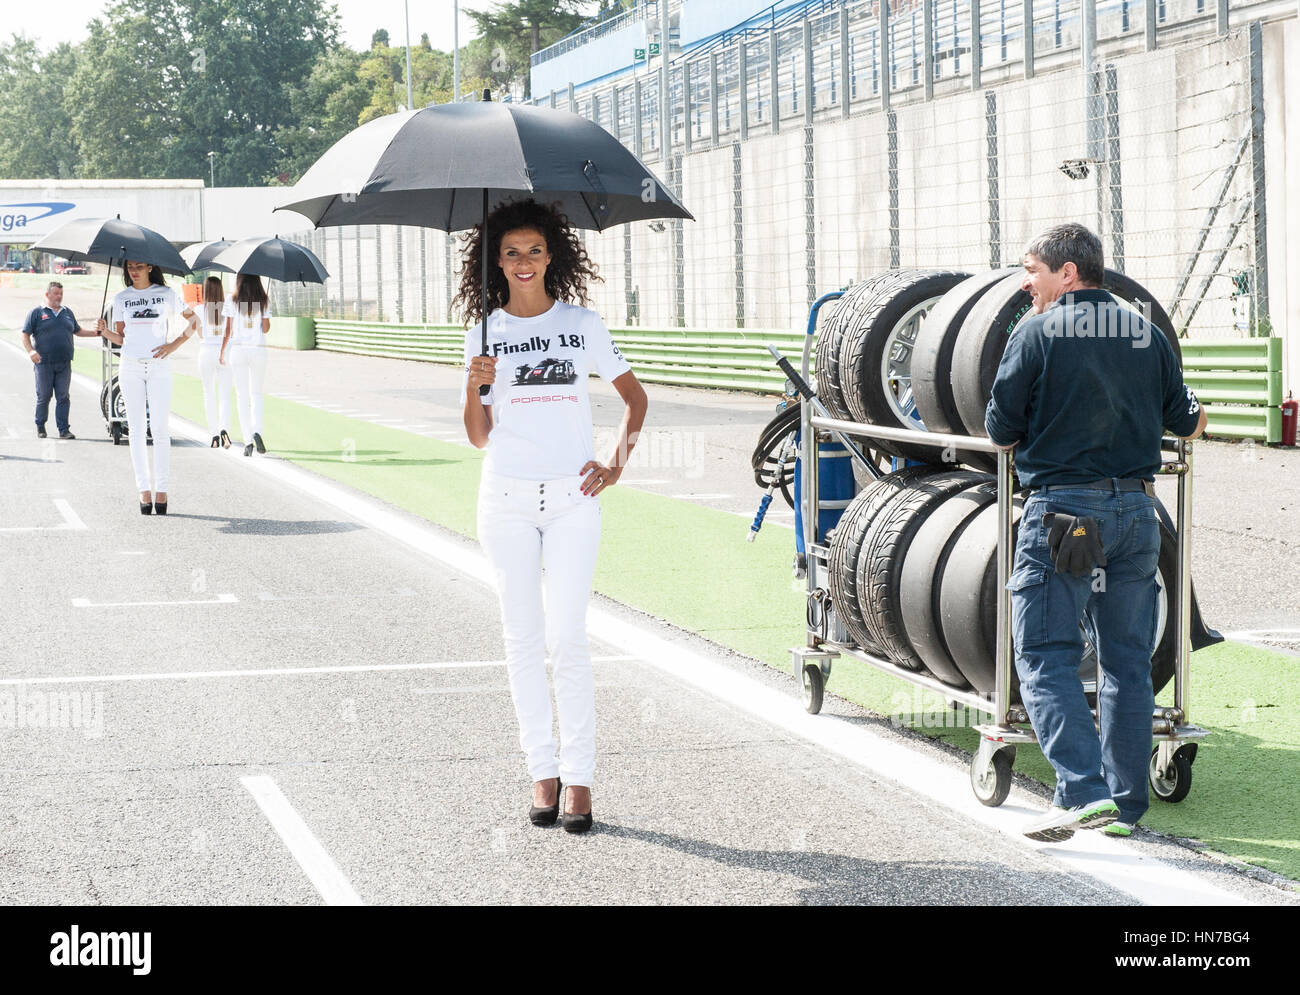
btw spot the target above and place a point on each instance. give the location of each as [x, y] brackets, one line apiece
[611, 53]
[30, 209]
[1282, 189]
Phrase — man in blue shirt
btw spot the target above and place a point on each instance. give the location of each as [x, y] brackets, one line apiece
[1083, 393]
[47, 337]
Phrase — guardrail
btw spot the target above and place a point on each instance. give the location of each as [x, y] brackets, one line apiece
[1240, 383]
[723, 358]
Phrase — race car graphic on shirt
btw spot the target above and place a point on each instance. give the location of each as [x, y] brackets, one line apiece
[548, 371]
[146, 313]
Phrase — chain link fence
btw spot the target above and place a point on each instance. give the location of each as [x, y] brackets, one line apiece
[822, 148]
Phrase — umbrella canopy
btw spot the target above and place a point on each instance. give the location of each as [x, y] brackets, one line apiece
[274, 258]
[112, 241]
[200, 255]
[432, 166]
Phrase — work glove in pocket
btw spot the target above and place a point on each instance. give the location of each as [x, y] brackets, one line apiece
[1075, 543]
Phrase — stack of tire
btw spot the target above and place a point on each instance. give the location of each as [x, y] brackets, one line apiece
[912, 570]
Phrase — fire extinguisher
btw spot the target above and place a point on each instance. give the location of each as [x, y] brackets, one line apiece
[1289, 415]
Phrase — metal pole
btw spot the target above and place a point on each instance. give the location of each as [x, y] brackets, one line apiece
[714, 117]
[1088, 34]
[1091, 88]
[1004, 663]
[455, 52]
[808, 85]
[1256, 42]
[688, 137]
[573, 101]
[772, 70]
[615, 111]
[636, 117]
[744, 90]
[1029, 34]
[895, 236]
[1114, 175]
[410, 98]
[844, 62]
[665, 111]
[738, 230]
[1221, 16]
[809, 210]
[1150, 30]
[1184, 593]
[927, 47]
[379, 274]
[401, 274]
[884, 55]
[342, 270]
[976, 49]
[995, 198]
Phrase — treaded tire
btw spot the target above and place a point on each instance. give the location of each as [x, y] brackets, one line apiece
[869, 342]
[932, 361]
[830, 335]
[922, 578]
[846, 547]
[984, 333]
[880, 565]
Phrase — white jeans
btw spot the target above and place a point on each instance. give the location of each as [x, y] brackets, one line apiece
[217, 382]
[148, 382]
[248, 363]
[522, 523]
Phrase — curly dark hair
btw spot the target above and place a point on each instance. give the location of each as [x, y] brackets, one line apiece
[566, 277]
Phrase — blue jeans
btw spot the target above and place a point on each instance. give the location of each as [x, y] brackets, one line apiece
[52, 378]
[1119, 605]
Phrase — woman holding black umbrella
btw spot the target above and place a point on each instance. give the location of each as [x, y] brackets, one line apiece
[248, 319]
[141, 316]
[538, 497]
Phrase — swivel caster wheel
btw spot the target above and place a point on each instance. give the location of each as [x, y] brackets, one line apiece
[1171, 783]
[814, 688]
[990, 778]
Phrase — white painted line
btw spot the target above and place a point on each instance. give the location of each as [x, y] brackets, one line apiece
[401, 592]
[71, 522]
[70, 518]
[221, 599]
[1260, 633]
[198, 675]
[313, 858]
[1111, 861]
[133, 552]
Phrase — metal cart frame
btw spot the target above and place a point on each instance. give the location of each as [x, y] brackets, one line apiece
[110, 364]
[1176, 738]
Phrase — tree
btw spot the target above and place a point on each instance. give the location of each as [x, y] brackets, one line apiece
[323, 108]
[35, 130]
[513, 31]
[379, 39]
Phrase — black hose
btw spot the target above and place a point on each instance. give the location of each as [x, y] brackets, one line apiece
[768, 450]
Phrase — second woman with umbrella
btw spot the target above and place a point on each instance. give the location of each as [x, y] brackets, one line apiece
[538, 497]
[248, 319]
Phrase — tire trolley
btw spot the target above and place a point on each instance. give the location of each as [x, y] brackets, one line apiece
[1176, 739]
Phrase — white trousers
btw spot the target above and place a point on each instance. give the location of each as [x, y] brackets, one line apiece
[248, 364]
[523, 524]
[217, 383]
[146, 386]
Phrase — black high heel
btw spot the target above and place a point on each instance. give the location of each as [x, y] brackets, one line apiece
[216, 442]
[257, 441]
[576, 822]
[248, 449]
[160, 507]
[225, 439]
[146, 508]
[547, 815]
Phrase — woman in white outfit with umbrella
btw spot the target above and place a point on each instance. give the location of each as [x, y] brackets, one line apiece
[141, 317]
[538, 496]
[216, 375]
[248, 319]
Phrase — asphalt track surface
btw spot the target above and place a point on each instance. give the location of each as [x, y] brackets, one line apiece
[288, 693]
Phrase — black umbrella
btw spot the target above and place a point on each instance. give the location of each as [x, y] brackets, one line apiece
[98, 240]
[441, 167]
[200, 255]
[274, 258]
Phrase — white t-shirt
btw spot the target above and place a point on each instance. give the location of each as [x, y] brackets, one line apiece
[246, 328]
[540, 404]
[146, 315]
[212, 321]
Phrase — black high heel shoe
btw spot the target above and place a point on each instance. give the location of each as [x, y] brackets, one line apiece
[248, 449]
[216, 442]
[146, 507]
[576, 822]
[257, 441]
[547, 815]
[160, 507]
[225, 439]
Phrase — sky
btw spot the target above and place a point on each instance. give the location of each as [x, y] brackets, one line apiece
[358, 18]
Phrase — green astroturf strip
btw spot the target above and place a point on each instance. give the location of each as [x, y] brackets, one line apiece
[692, 567]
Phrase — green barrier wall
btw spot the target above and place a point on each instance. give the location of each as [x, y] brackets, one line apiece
[727, 358]
[1238, 380]
[292, 333]
[1240, 383]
